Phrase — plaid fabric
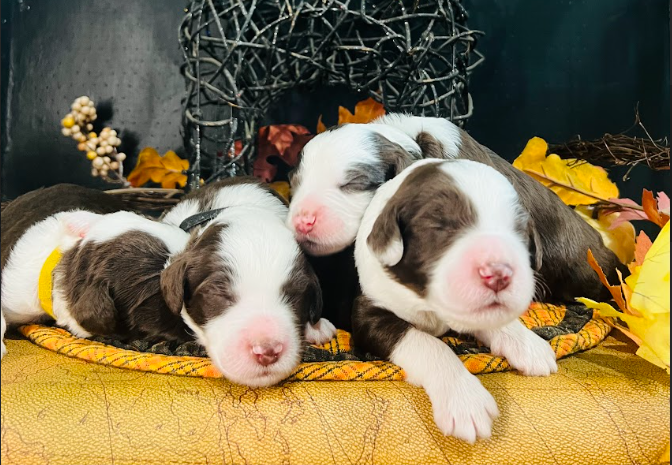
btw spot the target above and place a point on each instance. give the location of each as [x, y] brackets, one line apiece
[569, 329]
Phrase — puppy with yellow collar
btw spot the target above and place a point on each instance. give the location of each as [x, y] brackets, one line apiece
[72, 255]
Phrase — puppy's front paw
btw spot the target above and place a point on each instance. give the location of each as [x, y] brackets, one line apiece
[321, 332]
[463, 408]
[4, 350]
[528, 353]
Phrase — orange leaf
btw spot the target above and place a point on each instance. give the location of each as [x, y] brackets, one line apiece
[651, 209]
[281, 136]
[320, 125]
[614, 290]
[365, 112]
[167, 170]
[642, 245]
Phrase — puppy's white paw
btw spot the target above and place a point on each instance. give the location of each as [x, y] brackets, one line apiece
[463, 408]
[321, 332]
[527, 353]
[4, 350]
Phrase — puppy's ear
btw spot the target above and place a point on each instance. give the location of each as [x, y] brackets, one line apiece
[78, 223]
[393, 155]
[385, 238]
[95, 311]
[173, 283]
[536, 250]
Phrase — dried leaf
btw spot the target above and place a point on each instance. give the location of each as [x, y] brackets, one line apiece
[614, 290]
[663, 203]
[647, 303]
[283, 141]
[282, 188]
[167, 170]
[620, 239]
[365, 112]
[642, 246]
[651, 209]
[575, 183]
[320, 126]
[651, 294]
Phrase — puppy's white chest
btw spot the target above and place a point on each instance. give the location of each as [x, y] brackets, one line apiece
[429, 322]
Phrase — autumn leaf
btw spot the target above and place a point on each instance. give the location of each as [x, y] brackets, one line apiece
[282, 188]
[320, 126]
[365, 112]
[168, 170]
[642, 247]
[620, 239]
[575, 183]
[650, 206]
[644, 300]
[283, 141]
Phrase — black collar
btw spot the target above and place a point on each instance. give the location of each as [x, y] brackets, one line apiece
[199, 218]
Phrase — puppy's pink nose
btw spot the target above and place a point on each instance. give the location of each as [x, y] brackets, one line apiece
[304, 222]
[267, 353]
[496, 276]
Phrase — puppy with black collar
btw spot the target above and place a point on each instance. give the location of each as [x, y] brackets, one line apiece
[341, 169]
[242, 283]
[444, 246]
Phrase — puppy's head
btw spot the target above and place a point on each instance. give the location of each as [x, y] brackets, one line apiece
[245, 289]
[336, 178]
[455, 234]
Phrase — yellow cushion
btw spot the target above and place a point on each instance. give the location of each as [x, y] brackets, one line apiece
[604, 406]
[567, 329]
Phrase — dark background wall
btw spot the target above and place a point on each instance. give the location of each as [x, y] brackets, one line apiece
[553, 69]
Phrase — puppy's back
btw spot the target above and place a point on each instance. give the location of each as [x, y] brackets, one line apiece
[40, 204]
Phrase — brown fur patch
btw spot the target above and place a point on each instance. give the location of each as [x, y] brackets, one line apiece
[199, 279]
[303, 293]
[38, 205]
[376, 330]
[113, 288]
[427, 213]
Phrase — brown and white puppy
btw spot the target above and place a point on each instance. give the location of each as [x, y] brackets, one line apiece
[242, 283]
[340, 170]
[106, 282]
[444, 246]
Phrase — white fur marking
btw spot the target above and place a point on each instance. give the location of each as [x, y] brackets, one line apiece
[462, 407]
[524, 350]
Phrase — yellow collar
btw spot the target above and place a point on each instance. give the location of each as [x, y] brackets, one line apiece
[45, 283]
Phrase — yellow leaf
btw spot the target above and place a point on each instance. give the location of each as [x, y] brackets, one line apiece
[320, 125]
[365, 112]
[166, 170]
[647, 310]
[621, 240]
[282, 188]
[575, 183]
[651, 293]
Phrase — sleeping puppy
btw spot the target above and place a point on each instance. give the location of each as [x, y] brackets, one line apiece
[340, 170]
[242, 283]
[444, 246]
[66, 257]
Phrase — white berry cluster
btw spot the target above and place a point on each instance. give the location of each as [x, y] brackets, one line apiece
[101, 148]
